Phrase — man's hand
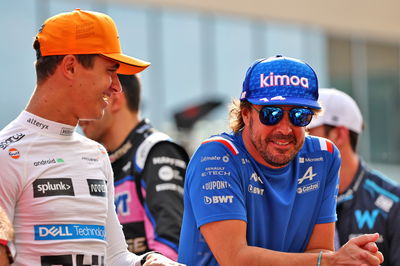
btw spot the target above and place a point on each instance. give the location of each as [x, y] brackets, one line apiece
[156, 259]
[360, 250]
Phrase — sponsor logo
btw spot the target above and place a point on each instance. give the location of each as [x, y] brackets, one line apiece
[282, 80]
[5, 143]
[66, 131]
[121, 151]
[14, 153]
[37, 123]
[170, 161]
[97, 187]
[90, 159]
[218, 199]
[137, 245]
[278, 98]
[308, 188]
[256, 178]
[256, 190]
[69, 231]
[169, 186]
[366, 217]
[311, 160]
[48, 161]
[245, 161]
[166, 173]
[384, 203]
[127, 166]
[47, 187]
[215, 172]
[121, 203]
[307, 175]
[212, 185]
[225, 158]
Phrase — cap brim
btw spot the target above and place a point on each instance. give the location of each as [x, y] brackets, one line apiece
[128, 65]
[287, 101]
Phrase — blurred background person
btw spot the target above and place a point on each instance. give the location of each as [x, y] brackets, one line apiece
[368, 201]
[149, 170]
[6, 235]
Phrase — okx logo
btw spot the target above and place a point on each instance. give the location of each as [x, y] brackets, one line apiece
[366, 217]
[46, 187]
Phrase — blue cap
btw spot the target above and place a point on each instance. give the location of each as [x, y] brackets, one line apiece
[281, 80]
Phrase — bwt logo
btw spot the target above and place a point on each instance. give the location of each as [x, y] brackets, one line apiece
[282, 80]
[218, 199]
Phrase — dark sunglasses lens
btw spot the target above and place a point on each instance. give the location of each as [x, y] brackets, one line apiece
[270, 115]
[301, 117]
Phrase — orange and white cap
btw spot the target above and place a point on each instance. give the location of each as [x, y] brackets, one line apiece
[86, 32]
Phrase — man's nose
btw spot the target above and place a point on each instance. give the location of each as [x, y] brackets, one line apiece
[116, 84]
[284, 126]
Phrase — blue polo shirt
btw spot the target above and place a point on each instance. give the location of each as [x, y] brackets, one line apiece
[280, 206]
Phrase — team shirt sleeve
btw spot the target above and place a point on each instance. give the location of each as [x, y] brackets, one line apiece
[162, 181]
[215, 188]
[328, 205]
[117, 249]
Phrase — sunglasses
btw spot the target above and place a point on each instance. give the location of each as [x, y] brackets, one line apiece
[298, 116]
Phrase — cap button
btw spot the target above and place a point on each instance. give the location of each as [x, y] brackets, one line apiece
[77, 9]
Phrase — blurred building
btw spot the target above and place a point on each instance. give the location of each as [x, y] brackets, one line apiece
[200, 51]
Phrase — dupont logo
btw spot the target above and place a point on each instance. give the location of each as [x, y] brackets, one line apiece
[282, 80]
[47, 187]
[69, 231]
[97, 187]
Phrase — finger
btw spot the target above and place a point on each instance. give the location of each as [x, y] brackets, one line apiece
[371, 247]
[369, 258]
[365, 239]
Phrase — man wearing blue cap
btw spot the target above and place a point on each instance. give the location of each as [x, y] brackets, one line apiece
[265, 194]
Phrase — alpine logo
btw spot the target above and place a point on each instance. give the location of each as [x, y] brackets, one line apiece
[69, 231]
[218, 199]
[282, 80]
[97, 187]
[5, 143]
[47, 187]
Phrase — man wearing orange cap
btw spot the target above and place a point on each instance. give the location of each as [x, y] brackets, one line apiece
[57, 185]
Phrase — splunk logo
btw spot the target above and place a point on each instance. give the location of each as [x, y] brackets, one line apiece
[282, 80]
[69, 231]
[46, 187]
[218, 199]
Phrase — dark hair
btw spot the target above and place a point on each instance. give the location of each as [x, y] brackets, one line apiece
[46, 65]
[353, 136]
[131, 88]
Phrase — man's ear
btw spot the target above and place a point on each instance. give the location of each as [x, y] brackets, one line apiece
[246, 113]
[340, 136]
[68, 66]
[117, 101]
